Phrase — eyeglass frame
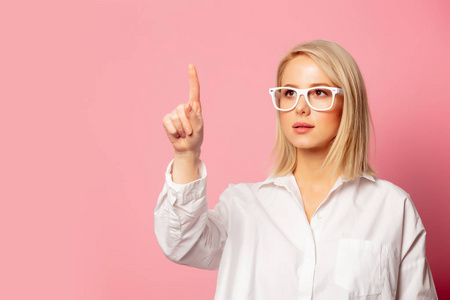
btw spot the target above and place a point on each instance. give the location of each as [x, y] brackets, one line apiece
[304, 92]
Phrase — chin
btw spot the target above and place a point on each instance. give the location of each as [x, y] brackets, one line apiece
[311, 145]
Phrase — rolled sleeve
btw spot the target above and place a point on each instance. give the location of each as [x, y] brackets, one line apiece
[184, 193]
[187, 232]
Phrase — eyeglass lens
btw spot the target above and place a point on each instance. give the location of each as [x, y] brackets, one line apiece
[320, 98]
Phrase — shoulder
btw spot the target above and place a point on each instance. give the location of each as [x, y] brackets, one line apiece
[385, 192]
[385, 186]
[239, 189]
[386, 204]
[243, 192]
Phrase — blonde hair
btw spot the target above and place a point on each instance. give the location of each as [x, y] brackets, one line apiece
[349, 149]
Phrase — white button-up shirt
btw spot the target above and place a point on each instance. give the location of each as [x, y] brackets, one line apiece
[365, 241]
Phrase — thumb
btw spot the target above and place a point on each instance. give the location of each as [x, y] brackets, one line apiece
[195, 117]
[188, 110]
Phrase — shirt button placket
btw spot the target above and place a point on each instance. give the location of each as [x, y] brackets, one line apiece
[307, 276]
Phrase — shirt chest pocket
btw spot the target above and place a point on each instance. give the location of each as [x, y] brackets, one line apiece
[359, 267]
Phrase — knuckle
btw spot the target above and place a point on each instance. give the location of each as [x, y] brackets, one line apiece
[166, 123]
[184, 119]
[182, 115]
[174, 117]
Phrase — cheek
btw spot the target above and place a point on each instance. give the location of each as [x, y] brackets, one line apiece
[329, 123]
[335, 127]
[285, 122]
[333, 119]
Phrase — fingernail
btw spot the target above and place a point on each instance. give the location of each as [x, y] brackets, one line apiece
[188, 130]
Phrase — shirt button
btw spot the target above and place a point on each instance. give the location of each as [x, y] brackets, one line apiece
[319, 216]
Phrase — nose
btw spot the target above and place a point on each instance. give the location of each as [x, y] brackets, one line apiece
[302, 106]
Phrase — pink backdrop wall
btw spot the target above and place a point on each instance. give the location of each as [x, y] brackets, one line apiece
[84, 87]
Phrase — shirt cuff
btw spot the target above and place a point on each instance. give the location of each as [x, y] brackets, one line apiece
[183, 193]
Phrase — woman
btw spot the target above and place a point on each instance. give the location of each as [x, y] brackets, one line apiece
[322, 227]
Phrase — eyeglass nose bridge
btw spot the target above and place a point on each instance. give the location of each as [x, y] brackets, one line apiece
[303, 93]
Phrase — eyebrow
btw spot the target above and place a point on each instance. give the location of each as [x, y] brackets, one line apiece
[311, 85]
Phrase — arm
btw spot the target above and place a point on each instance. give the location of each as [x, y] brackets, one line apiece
[184, 129]
[415, 280]
[187, 232]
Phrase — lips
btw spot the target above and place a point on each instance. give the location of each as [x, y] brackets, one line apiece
[302, 125]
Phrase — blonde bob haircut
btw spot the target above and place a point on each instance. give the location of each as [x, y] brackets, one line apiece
[348, 152]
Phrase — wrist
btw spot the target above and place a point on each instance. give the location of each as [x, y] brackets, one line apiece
[192, 156]
[186, 167]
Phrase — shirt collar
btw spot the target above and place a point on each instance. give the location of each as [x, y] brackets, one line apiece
[289, 178]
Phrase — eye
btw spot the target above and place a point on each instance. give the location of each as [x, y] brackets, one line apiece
[321, 93]
[290, 93]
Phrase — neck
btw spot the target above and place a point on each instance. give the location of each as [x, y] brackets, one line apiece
[308, 165]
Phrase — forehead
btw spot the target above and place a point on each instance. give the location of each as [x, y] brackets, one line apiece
[303, 71]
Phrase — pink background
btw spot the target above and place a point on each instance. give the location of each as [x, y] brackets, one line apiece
[84, 87]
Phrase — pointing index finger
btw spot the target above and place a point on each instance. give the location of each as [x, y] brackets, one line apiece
[194, 88]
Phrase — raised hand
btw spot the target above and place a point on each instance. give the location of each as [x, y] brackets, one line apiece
[184, 128]
[184, 125]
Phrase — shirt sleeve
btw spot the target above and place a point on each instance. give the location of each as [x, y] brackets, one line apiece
[415, 279]
[187, 232]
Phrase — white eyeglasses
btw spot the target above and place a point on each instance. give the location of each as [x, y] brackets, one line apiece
[318, 98]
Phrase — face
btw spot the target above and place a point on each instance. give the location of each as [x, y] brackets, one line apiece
[302, 72]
